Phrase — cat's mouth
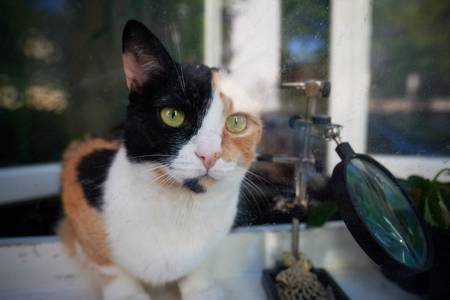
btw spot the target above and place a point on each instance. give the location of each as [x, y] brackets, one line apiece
[199, 184]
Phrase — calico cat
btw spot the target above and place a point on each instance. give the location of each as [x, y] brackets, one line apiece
[150, 207]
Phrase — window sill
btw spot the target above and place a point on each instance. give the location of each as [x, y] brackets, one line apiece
[45, 271]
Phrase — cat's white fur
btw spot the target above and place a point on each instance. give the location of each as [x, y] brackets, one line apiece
[158, 234]
[209, 136]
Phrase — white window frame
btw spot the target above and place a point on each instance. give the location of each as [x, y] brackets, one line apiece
[212, 33]
[29, 182]
[351, 25]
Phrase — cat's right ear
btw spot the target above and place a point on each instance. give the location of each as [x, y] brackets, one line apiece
[145, 60]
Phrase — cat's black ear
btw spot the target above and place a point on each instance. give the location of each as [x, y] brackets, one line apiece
[145, 60]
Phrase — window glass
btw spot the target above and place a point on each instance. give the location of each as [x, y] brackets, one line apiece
[304, 37]
[304, 56]
[60, 68]
[61, 78]
[410, 64]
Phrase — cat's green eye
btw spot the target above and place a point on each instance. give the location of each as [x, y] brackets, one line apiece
[172, 117]
[236, 123]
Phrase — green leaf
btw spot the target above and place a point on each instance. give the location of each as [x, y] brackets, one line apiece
[434, 215]
[428, 216]
[418, 188]
[444, 208]
[418, 181]
[319, 214]
[443, 187]
[445, 194]
[445, 171]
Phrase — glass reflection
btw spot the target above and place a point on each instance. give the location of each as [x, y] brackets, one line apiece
[386, 212]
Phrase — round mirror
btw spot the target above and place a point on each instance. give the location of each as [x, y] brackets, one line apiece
[387, 213]
[379, 214]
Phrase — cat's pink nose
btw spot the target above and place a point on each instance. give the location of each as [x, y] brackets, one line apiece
[208, 159]
[208, 148]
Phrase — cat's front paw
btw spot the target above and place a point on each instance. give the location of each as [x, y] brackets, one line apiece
[140, 296]
[210, 293]
[137, 296]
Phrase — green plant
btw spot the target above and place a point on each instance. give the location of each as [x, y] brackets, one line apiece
[320, 213]
[431, 197]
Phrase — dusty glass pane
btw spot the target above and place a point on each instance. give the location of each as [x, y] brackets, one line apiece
[61, 78]
[304, 35]
[304, 56]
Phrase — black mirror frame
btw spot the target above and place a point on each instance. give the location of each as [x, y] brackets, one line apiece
[359, 229]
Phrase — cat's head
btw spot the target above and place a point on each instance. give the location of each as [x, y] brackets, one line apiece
[185, 119]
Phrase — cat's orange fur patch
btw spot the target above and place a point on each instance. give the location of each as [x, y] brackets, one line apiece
[83, 224]
[215, 79]
[68, 237]
[240, 147]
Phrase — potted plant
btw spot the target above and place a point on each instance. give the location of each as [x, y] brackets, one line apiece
[432, 199]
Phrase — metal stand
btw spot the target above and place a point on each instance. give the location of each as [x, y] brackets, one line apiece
[311, 125]
[313, 90]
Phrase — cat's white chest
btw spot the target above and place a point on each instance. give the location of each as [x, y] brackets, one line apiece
[160, 234]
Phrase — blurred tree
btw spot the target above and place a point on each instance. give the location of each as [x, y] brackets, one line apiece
[305, 39]
[410, 37]
[70, 49]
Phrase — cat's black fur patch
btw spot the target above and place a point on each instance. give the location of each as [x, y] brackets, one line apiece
[185, 87]
[194, 186]
[92, 172]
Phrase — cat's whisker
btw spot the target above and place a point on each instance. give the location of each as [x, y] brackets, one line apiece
[168, 180]
[180, 76]
[159, 178]
[186, 169]
[156, 165]
[149, 170]
[253, 185]
[156, 180]
[152, 155]
[187, 162]
[253, 188]
[180, 80]
[250, 198]
[259, 177]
